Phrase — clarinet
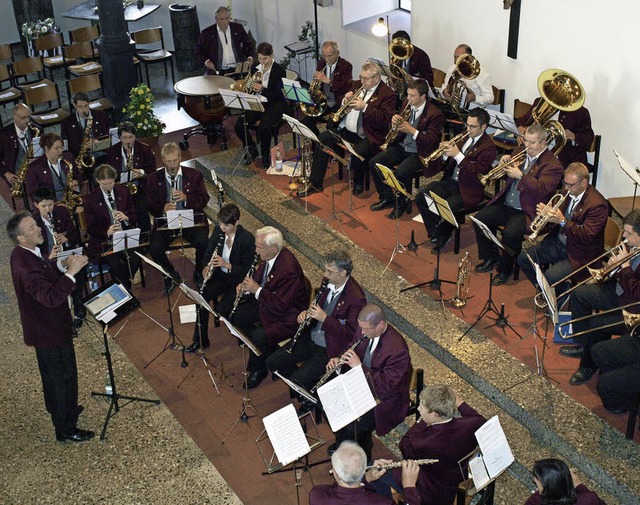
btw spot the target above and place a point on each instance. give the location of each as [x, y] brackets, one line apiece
[398, 464]
[210, 264]
[341, 362]
[307, 318]
[242, 293]
[56, 245]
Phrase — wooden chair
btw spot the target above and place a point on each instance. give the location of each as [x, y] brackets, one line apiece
[78, 60]
[438, 77]
[51, 44]
[593, 167]
[153, 37]
[612, 233]
[28, 72]
[89, 34]
[520, 108]
[91, 85]
[6, 52]
[498, 97]
[45, 93]
[416, 384]
[8, 93]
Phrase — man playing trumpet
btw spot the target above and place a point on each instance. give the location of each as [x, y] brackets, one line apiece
[576, 237]
[532, 181]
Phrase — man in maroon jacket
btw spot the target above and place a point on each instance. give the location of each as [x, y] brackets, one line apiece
[365, 126]
[73, 126]
[224, 44]
[384, 356]
[332, 324]
[460, 185]
[277, 295]
[335, 75]
[528, 183]
[418, 135]
[419, 64]
[577, 235]
[42, 288]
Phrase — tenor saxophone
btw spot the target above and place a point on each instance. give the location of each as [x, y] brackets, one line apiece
[85, 158]
[21, 175]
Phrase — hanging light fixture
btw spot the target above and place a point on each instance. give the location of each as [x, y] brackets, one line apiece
[380, 28]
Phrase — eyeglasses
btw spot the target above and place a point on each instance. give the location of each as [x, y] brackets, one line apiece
[470, 126]
[368, 78]
[570, 185]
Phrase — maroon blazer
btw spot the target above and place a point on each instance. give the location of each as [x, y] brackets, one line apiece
[420, 65]
[579, 122]
[429, 128]
[341, 79]
[340, 326]
[42, 292]
[380, 108]
[98, 215]
[476, 162]
[9, 148]
[209, 44]
[536, 186]
[72, 131]
[446, 442]
[62, 223]
[282, 297]
[143, 157]
[39, 174]
[389, 374]
[333, 494]
[583, 494]
[192, 186]
[630, 283]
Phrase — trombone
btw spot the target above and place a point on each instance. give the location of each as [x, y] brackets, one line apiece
[631, 321]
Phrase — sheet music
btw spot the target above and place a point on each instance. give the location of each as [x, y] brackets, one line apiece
[103, 306]
[234, 331]
[478, 472]
[627, 168]
[444, 209]
[503, 121]
[346, 398]
[196, 297]
[431, 205]
[285, 434]
[301, 129]
[494, 447]
[187, 313]
[155, 265]
[177, 219]
[487, 232]
[131, 241]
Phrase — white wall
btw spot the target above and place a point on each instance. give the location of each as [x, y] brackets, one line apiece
[353, 10]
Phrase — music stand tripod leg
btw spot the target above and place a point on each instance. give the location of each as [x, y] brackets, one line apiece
[200, 358]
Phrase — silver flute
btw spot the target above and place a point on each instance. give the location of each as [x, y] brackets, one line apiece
[341, 362]
[398, 464]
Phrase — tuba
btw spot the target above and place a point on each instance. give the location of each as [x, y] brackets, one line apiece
[85, 157]
[246, 85]
[463, 283]
[467, 67]
[401, 50]
[319, 99]
[559, 90]
[18, 186]
[395, 128]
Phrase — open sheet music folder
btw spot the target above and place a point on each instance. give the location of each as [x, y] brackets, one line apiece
[110, 303]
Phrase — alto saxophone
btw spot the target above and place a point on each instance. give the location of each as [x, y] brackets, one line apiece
[241, 294]
[395, 128]
[85, 158]
[462, 285]
[17, 187]
[131, 185]
[307, 318]
[70, 199]
[341, 362]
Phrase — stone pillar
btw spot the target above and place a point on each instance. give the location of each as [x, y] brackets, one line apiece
[116, 54]
[30, 10]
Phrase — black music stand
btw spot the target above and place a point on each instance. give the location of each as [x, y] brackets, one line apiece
[125, 241]
[501, 321]
[245, 102]
[199, 355]
[247, 404]
[633, 174]
[179, 220]
[108, 305]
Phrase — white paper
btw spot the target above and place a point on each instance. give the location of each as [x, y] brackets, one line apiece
[187, 313]
[131, 241]
[177, 219]
[48, 116]
[285, 434]
[478, 472]
[494, 447]
[103, 305]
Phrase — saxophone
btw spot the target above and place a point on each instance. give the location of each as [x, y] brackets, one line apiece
[18, 186]
[70, 199]
[131, 185]
[341, 362]
[85, 158]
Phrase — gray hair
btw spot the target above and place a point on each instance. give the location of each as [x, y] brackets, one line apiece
[349, 462]
[272, 236]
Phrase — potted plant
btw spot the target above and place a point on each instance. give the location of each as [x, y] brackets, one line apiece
[139, 110]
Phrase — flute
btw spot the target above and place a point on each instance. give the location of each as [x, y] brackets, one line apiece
[341, 362]
[398, 464]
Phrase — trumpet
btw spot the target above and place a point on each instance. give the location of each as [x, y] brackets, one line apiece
[631, 321]
[499, 171]
[241, 294]
[395, 127]
[307, 318]
[462, 286]
[347, 106]
[443, 147]
[341, 362]
[541, 220]
[398, 464]
[216, 252]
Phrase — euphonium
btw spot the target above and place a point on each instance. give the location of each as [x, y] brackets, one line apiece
[216, 252]
[346, 107]
[462, 286]
[395, 128]
[70, 199]
[398, 464]
[318, 97]
[307, 318]
[241, 294]
[341, 362]
[85, 157]
[21, 175]
[445, 145]
[401, 50]
[246, 85]
[559, 90]
[541, 220]
[467, 67]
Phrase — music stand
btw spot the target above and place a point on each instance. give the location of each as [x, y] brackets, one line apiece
[501, 321]
[108, 305]
[179, 220]
[124, 241]
[245, 102]
[389, 178]
[199, 354]
[633, 174]
[440, 207]
[247, 404]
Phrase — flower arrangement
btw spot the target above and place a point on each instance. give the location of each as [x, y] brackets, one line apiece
[139, 110]
[33, 29]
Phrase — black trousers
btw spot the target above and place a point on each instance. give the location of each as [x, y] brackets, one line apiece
[246, 318]
[161, 239]
[219, 285]
[360, 431]
[59, 375]
[515, 226]
[619, 364]
[268, 119]
[119, 267]
[409, 165]
[450, 191]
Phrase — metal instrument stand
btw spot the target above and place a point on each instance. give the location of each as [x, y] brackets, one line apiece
[398, 248]
[436, 282]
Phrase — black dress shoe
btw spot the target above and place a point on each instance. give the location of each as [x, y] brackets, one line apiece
[433, 240]
[571, 351]
[408, 208]
[381, 205]
[501, 278]
[357, 190]
[616, 411]
[77, 323]
[76, 435]
[396, 213]
[308, 189]
[332, 448]
[486, 265]
[306, 406]
[170, 285]
[582, 375]
[266, 162]
[195, 347]
[256, 378]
